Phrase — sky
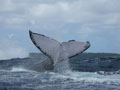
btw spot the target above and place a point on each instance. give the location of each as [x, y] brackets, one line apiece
[97, 21]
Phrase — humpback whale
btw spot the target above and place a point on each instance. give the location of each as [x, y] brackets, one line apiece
[57, 51]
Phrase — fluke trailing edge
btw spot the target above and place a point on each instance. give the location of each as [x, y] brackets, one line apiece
[55, 50]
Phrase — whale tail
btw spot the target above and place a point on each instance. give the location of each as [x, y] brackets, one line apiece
[55, 50]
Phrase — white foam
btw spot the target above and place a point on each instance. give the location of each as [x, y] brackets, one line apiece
[18, 69]
[88, 77]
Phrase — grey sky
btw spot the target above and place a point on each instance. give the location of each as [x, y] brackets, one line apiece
[95, 20]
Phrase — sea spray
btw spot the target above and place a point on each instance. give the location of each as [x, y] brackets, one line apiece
[62, 67]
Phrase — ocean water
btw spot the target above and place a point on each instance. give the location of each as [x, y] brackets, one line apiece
[16, 75]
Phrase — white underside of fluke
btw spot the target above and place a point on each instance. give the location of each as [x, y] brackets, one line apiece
[55, 50]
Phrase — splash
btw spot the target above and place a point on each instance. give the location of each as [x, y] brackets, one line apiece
[63, 67]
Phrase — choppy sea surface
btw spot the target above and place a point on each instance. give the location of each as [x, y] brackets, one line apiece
[88, 72]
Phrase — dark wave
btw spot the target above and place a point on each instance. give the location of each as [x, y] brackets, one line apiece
[87, 62]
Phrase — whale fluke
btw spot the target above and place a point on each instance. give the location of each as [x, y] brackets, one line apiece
[55, 50]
